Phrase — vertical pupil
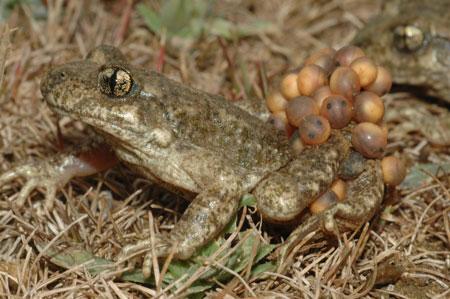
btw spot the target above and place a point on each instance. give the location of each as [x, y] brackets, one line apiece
[112, 82]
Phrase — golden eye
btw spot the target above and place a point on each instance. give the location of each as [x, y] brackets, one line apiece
[115, 81]
[408, 38]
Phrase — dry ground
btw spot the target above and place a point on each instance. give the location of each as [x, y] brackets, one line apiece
[411, 234]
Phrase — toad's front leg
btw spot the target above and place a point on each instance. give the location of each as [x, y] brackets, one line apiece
[54, 172]
[219, 188]
[204, 219]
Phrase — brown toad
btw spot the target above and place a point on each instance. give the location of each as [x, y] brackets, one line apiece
[412, 39]
[196, 144]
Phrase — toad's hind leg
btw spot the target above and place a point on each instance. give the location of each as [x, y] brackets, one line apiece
[204, 219]
[286, 193]
[363, 200]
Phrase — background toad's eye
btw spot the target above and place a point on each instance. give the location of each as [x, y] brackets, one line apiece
[115, 81]
[408, 38]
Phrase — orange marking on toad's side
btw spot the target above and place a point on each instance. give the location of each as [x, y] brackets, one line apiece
[100, 158]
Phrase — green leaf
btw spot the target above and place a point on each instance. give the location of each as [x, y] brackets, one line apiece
[74, 256]
[210, 248]
[231, 226]
[418, 175]
[248, 200]
[196, 28]
[175, 15]
[199, 289]
[255, 28]
[178, 268]
[263, 251]
[176, 18]
[245, 250]
[221, 27]
[151, 19]
[138, 277]
[189, 19]
[37, 8]
[229, 30]
[265, 267]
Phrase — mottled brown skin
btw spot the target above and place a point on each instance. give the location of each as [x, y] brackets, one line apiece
[363, 201]
[201, 146]
[427, 66]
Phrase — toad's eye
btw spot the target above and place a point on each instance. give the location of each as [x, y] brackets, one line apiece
[115, 81]
[408, 38]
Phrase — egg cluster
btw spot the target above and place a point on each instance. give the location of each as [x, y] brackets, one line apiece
[332, 90]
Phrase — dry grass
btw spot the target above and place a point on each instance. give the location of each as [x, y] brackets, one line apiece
[411, 233]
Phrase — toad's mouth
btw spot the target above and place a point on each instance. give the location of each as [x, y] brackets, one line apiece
[54, 107]
[117, 132]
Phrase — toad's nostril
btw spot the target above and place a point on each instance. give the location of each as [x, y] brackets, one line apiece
[58, 76]
[52, 79]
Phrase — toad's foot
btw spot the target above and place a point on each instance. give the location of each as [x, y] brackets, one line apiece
[363, 200]
[55, 172]
[203, 220]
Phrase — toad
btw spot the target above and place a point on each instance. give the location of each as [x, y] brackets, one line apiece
[412, 40]
[198, 145]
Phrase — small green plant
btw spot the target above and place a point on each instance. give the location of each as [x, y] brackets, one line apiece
[7, 6]
[245, 257]
[192, 19]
